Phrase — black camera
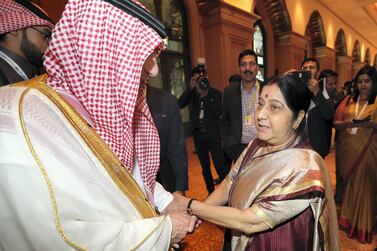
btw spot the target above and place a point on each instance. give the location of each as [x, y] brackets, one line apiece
[358, 121]
[203, 82]
[303, 75]
[201, 69]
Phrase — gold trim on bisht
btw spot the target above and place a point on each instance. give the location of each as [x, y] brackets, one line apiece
[120, 175]
[45, 176]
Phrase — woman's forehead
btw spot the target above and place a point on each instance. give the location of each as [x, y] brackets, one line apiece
[272, 91]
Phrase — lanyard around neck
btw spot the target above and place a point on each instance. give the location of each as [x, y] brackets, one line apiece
[14, 65]
[253, 96]
[357, 114]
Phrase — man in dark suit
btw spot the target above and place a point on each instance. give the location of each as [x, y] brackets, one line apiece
[173, 156]
[240, 101]
[321, 111]
[205, 110]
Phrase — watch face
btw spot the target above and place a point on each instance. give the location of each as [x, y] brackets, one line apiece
[188, 208]
[189, 211]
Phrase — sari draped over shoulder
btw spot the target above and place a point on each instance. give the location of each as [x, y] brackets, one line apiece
[356, 157]
[290, 191]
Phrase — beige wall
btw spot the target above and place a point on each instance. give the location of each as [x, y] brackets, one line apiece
[300, 12]
[289, 48]
[221, 32]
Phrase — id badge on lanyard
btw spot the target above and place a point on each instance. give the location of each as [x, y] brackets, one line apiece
[248, 120]
[353, 131]
[358, 114]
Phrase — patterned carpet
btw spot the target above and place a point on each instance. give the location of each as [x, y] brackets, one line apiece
[209, 237]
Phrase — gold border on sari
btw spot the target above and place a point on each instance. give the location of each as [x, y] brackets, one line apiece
[263, 216]
[291, 189]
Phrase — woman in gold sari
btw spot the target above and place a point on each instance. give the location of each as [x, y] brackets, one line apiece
[278, 192]
[356, 156]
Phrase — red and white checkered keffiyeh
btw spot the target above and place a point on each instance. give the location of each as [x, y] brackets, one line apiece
[14, 16]
[96, 53]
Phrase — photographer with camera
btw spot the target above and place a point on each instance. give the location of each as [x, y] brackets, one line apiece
[205, 109]
[321, 110]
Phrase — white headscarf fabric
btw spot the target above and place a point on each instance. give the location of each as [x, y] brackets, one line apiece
[96, 53]
[14, 16]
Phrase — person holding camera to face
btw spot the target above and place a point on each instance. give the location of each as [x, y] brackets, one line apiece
[205, 110]
[321, 111]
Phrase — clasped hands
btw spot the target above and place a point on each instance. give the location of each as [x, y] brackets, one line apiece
[182, 223]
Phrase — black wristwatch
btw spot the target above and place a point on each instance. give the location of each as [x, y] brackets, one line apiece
[188, 208]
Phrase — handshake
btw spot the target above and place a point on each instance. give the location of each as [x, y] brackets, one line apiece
[182, 222]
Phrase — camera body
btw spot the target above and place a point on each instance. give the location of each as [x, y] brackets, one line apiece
[201, 69]
[302, 75]
[358, 121]
[203, 82]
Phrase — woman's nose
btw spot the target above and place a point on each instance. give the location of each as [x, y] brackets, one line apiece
[261, 113]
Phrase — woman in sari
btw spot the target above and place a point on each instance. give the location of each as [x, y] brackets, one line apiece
[278, 192]
[356, 156]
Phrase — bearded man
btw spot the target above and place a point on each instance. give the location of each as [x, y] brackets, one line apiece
[79, 152]
[25, 31]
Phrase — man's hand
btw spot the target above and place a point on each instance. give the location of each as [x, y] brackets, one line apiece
[178, 204]
[201, 92]
[179, 192]
[313, 86]
[193, 83]
[181, 224]
[289, 71]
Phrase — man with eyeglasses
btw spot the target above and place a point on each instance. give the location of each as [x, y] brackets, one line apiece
[240, 100]
[25, 32]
